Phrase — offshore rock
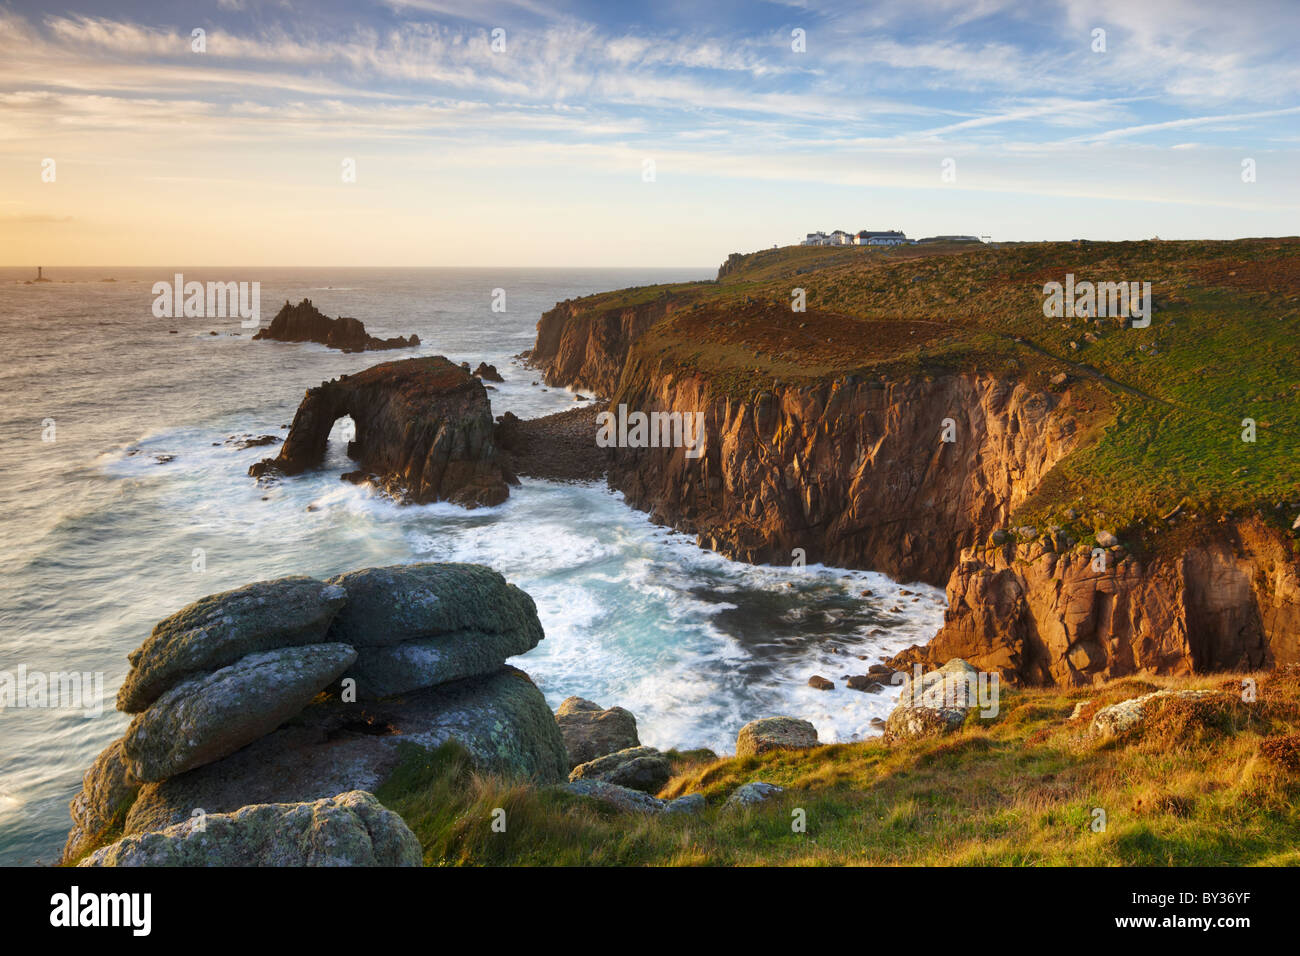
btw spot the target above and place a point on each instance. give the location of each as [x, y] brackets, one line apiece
[305, 323]
[423, 429]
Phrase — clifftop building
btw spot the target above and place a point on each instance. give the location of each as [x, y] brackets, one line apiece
[866, 237]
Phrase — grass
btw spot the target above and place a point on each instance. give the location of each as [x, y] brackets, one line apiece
[1163, 407]
[1202, 783]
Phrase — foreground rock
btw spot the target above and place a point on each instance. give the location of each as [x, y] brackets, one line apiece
[285, 725]
[207, 718]
[936, 704]
[1130, 714]
[639, 768]
[424, 433]
[305, 323]
[351, 829]
[752, 794]
[420, 625]
[633, 801]
[590, 731]
[775, 733]
[107, 792]
[331, 747]
[221, 628]
[624, 798]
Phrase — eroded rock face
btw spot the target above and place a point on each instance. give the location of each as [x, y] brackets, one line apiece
[1231, 600]
[423, 432]
[590, 731]
[219, 629]
[305, 323]
[838, 470]
[206, 718]
[775, 733]
[351, 829]
[640, 768]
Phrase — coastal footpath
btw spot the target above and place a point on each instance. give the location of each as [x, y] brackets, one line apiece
[1100, 499]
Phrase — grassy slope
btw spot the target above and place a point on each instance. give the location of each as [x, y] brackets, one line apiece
[1165, 404]
[1212, 785]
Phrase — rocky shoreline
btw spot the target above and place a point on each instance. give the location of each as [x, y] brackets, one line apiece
[265, 718]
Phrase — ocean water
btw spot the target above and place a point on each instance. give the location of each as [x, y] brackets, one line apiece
[100, 526]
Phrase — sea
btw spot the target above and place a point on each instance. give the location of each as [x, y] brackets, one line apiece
[124, 495]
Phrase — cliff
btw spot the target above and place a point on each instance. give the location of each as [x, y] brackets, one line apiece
[581, 346]
[424, 432]
[305, 323]
[825, 433]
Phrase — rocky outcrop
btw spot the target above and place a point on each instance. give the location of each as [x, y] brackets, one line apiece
[422, 625]
[775, 733]
[590, 731]
[638, 768]
[351, 829]
[488, 373]
[292, 718]
[424, 432]
[204, 719]
[305, 323]
[219, 629]
[1042, 611]
[501, 719]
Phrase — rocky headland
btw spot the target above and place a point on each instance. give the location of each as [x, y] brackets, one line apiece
[424, 432]
[306, 323]
[1081, 514]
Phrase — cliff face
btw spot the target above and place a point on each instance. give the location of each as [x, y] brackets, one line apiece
[1229, 600]
[585, 348]
[853, 472]
[423, 428]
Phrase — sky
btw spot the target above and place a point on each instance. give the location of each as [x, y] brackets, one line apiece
[665, 133]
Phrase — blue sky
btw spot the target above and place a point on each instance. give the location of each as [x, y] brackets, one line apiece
[536, 154]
